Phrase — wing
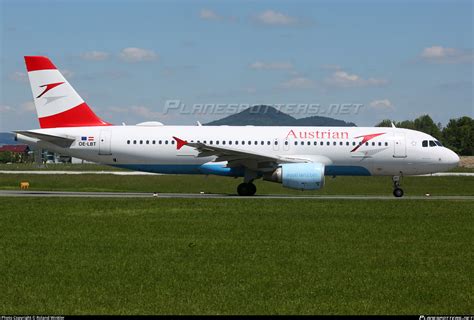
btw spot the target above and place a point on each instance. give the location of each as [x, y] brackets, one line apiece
[236, 157]
[60, 141]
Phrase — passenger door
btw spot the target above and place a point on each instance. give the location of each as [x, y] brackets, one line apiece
[105, 142]
[399, 146]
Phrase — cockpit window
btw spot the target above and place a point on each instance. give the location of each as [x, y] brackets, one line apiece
[431, 143]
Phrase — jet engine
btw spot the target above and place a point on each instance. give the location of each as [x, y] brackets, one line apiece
[301, 176]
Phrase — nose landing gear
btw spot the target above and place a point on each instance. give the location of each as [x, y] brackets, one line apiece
[397, 191]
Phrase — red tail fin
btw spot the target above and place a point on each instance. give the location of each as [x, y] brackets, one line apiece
[56, 101]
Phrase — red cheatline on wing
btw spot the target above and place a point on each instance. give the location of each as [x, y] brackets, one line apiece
[366, 138]
[180, 143]
[48, 87]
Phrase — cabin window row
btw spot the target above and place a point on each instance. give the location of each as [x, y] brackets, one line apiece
[341, 143]
[302, 143]
[150, 142]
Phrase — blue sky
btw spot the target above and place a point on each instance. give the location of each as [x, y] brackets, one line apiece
[399, 59]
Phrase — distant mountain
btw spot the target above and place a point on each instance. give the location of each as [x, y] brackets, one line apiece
[7, 138]
[269, 116]
[317, 121]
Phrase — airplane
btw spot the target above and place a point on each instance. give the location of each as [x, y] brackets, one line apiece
[297, 157]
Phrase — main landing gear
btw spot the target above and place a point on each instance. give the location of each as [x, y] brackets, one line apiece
[397, 191]
[246, 189]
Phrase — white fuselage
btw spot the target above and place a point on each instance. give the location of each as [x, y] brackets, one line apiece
[384, 151]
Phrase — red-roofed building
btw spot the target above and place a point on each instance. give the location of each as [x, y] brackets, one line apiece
[19, 148]
[14, 153]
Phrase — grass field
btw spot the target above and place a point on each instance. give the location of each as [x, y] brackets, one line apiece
[214, 184]
[468, 167]
[168, 256]
[58, 167]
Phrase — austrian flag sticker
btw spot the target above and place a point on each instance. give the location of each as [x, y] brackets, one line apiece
[87, 141]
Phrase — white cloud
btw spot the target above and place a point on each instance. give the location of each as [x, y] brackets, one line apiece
[68, 74]
[258, 65]
[382, 105]
[439, 54]
[137, 55]
[343, 79]
[298, 83]
[331, 67]
[145, 112]
[95, 55]
[250, 90]
[5, 108]
[19, 76]
[208, 14]
[142, 112]
[270, 17]
[23, 77]
[28, 106]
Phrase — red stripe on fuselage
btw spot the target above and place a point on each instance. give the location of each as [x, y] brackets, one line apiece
[80, 116]
[34, 63]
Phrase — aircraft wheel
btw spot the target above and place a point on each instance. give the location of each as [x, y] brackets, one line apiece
[246, 189]
[397, 192]
[253, 189]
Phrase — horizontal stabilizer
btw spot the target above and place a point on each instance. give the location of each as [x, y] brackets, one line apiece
[61, 141]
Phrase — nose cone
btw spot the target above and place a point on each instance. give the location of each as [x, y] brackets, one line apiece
[452, 159]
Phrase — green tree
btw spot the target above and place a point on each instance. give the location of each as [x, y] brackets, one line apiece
[459, 135]
[6, 156]
[384, 123]
[426, 124]
[407, 124]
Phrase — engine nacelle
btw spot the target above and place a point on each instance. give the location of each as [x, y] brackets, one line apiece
[301, 176]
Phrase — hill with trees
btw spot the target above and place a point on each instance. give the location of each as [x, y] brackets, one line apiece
[262, 115]
[7, 138]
